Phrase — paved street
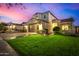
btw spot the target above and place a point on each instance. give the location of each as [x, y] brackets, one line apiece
[5, 49]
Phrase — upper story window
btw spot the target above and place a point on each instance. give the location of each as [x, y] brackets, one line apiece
[44, 16]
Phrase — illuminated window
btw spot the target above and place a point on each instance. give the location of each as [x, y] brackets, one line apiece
[65, 27]
[39, 27]
[54, 25]
[25, 27]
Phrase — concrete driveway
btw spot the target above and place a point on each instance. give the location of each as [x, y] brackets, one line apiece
[6, 49]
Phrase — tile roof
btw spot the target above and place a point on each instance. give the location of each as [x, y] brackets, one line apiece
[67, 20]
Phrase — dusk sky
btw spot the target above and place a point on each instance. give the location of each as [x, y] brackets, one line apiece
[19, 13]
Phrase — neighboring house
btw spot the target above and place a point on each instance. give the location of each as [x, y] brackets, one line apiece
[77, 29]
[13, 27]
[21, 27]
[46, 22]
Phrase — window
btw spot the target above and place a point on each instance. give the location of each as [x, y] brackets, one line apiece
[39, 27]
[65, 27]
[44, 16]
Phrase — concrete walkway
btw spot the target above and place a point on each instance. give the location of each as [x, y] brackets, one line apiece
[6, 49]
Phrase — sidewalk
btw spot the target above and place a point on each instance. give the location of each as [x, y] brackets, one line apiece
[5, 49]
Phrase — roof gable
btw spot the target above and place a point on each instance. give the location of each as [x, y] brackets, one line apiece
[51, 14]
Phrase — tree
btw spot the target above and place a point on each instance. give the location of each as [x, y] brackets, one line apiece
[2, 27]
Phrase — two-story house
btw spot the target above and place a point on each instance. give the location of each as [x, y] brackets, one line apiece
[46, 22]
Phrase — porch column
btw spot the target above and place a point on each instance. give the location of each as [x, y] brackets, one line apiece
[27, 29]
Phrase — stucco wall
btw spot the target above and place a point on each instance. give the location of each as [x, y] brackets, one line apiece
[51, 17]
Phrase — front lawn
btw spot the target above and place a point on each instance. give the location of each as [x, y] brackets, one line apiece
[46, 45]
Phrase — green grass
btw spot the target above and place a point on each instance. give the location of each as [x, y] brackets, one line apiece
[52, 45]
